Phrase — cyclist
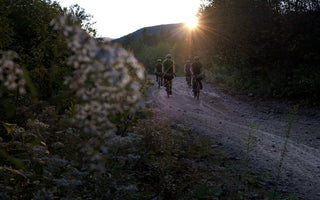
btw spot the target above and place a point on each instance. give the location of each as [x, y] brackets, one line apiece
[196, 69]
[187, 72]
[168, 71]
[158, 71]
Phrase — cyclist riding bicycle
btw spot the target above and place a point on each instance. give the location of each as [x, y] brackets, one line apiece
[196, 69]
[187, 72]
[158, 71]
[168, 71]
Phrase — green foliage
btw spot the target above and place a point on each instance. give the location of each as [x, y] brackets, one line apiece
[266, 47]
[149, 47]
[148, 54]
[25, 29]
[42, 50]
[34, 40]
[6, 31]
[9, 127]
[83, 18]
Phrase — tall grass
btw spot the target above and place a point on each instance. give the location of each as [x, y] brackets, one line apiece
[250, 144]
[287, 133]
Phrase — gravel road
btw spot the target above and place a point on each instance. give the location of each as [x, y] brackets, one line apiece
[226, 118]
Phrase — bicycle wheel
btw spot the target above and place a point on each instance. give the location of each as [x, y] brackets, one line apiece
[196, 90]
[159, 82]
[189, 81]
[166, 85]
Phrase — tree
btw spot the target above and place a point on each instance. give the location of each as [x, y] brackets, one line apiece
[83, 18]
[6, 31]
[42, 50]
[269, 47]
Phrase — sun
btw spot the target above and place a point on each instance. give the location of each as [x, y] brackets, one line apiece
[192, 22]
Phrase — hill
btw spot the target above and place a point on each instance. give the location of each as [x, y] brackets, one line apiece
[176, 30]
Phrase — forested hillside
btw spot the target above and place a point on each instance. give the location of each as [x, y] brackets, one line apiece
[270, 48]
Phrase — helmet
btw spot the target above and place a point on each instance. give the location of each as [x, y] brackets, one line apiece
[168, 56]
[196, 58]
[159, 60]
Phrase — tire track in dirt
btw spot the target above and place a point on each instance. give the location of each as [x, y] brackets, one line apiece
[227, 121]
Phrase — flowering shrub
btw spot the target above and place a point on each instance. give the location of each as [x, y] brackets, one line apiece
[12, 84]
[11, 75]
[105, 80]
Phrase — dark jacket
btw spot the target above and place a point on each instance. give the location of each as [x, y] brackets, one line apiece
[187, 69]
[196, 68]
[158, 67]
[168, 66]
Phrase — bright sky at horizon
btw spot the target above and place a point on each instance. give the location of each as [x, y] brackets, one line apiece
[116, 18]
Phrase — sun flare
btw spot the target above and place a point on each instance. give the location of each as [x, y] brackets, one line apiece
[192, 22]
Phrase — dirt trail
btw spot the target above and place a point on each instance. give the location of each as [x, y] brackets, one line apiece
[226, 118]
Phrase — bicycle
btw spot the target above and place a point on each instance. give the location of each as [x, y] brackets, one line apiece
[159, 79]
[196, 90]
[196, 86]
[188, 79]
[168, 83]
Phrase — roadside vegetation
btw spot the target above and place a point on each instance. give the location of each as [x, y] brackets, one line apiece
[75, 124]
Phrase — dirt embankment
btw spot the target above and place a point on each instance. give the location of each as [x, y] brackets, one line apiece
[227, 118]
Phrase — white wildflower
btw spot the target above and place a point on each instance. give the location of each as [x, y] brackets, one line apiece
[11, 76]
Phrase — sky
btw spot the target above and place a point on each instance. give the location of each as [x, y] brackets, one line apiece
[117, 18]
